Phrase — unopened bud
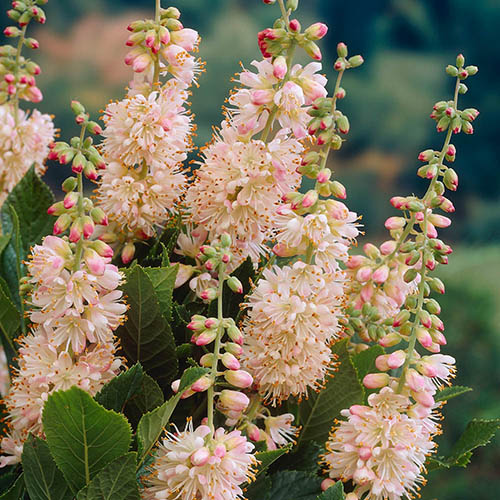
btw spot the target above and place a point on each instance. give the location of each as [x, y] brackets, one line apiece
[376, 380]
[342, 49]
[128, 253]
[238, 378]
[316, 31]
[312, 50]
[355, 61]
[235, 284]
[233, 400]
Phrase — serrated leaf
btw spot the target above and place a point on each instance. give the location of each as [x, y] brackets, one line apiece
[305, 459]
[82, 435]
[16, 491]
[296, 485]
[146, 336]
[259, 489]
[451, 392]
[163, 279]
[266, 458]
[4, 240]
[151, 424]
[44, 481]
[120, 389]
[149, 397]
[335, 492]
[116, 481]
[342, 390]
[477, 433]
[10, 320]
[364, 361]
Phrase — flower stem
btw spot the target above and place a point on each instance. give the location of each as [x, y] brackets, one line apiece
[218, 338]
[80, 208]
[156, 75]
[15, 98]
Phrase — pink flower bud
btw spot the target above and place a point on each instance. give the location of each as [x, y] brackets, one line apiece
[396, 359]
[200, 457]
[87, 227]
[230, 361]
[238, 378]
[424, 398]
[326, 483]
[233, 400]
[95, 263]
[294, 25]
[261, 96]
[316, 31]
[414, 380]
[234, 348]
[103, 249]
[388, 247]
[128, 253]
[439, 220]
[376, 380]
[202, 384]
[365, 453]
[197, 323]
[324, 175]
[253, 432]
[381, 274]
[209, 294]
[279, 67]
[424, 337]
[430, 230]
[390, 340]
[62, 223]
[355, 261]
[206, 337]
[34, 94]
[235, 334]
[398, 202]
[395, 223]
[310, 198]
[76, 231]
[381, 362]
[364, 274]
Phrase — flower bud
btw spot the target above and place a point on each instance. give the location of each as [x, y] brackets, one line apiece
[381, 274]
[396, 359]
[310, 198]
[197, 323]
[395, 223]
[312, 50]
[76, 231]
[233, 400]
[423, 336]
[200, 457]
[233, 348]
[355, 61]
[451, 70]
[388, 247]
[376, 380]
[402, 317]
[471, 70]
[280, 67]
[230, 361]
[316, 31]
[128, 253]
[460, 61]
[202, 384]
[62, 223]
[390, 340]
[79, 162]
[238, 378]
[253, 432]
[338, 190]
[294, 26]
[235, 284]
[326, 483]
[209, 294]
[206, 337]
[87, 226]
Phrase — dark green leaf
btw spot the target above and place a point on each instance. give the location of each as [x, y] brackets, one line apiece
[16, 491]
[115, 394]
[259, 489]
[149, 397]
[116, 481]
[335, 492]
[10, 320]
[82, 435]
[146, 336]
[163, 279]
[4, 240]
[306, 458]
[151, 424]
[451, 392]
[342, 390]
[364, 361]
[44, 481]
[296, 485]
[266, 458]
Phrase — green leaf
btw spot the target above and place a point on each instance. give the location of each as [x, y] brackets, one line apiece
[259, 489]
[335, 492]
[16, 491]
[146, 336]
[115, 394]
[44, 481]
[4, 240]
[477, 433]
[10, 320]
[306, 458]
[266, 458]
[82, 435]
[342, 390]
[116, 481]
[149, 397]
[31, 198]
[364, 361]
[296, 485]
[451, 392]
[151, 424]
[163, 279]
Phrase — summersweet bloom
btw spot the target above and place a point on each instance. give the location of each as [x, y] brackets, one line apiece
[260, 93]
[239, 185]
[292, 320]
[196, 464]
[380, 448]
[74, 314]
[22, 145]
[280, 431]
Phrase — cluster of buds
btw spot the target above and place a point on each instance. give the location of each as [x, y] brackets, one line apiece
[17, 74]
[163, 40]
[326, 121]
[276, 41]
[77, 212]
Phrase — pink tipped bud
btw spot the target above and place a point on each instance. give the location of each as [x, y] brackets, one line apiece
[381, 363]
[226, 258]
[206, 337]
[34, 94]
[128, 253]
[381, 274]
[316, 31]
[233, 400]
[253, 432]
[207, 360]
[326, 483]
[388, 247]
[439, 220]
[200, 457]
[234, 348]
[395, 223]
[202, 384]
[11, 89]
[230, 361]
[355, 261]
[209, 294]
[141, 62]
[424, 337]
[9, 78]
[365, 453]
[70, 200]
[390, 340]
[376, 380]
[62, 223]
[279, 67]
[98, 216]
[313, 51]
[310, 198]
[396, 359]
[197, 323]
[211, 323]
[235, 284]
[426, 155]
[87, 226]
[103, 249]
[76, 231]
[424, 398]
[238, 378]
[364, 274]
[398, 202]
[294, 25]
[95, 263]
[414, 380]
[235, 334]
[324, 175]
[56, 209]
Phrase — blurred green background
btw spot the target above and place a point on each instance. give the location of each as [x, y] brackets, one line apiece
[406, 45]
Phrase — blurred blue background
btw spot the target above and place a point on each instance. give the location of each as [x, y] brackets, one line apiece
[406, 45]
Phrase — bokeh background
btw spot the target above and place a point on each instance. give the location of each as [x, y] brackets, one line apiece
[406, 45]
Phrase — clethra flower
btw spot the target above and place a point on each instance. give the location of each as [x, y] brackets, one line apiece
[196, 464]
[292, 319]
[280, 431]
[380, 448]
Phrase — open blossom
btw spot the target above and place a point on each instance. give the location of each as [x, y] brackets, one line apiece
[239, 186]
[253, 102]
[196, 464]
[22, 145]
[74, 315]
[292, 319]
[380, 448]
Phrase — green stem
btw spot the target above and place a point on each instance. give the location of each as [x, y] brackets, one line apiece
[81, 211]
[284, 12]
[15, 98]
[218, 338]
[156, 75]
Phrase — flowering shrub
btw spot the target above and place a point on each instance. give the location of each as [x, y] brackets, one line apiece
[212, 332]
